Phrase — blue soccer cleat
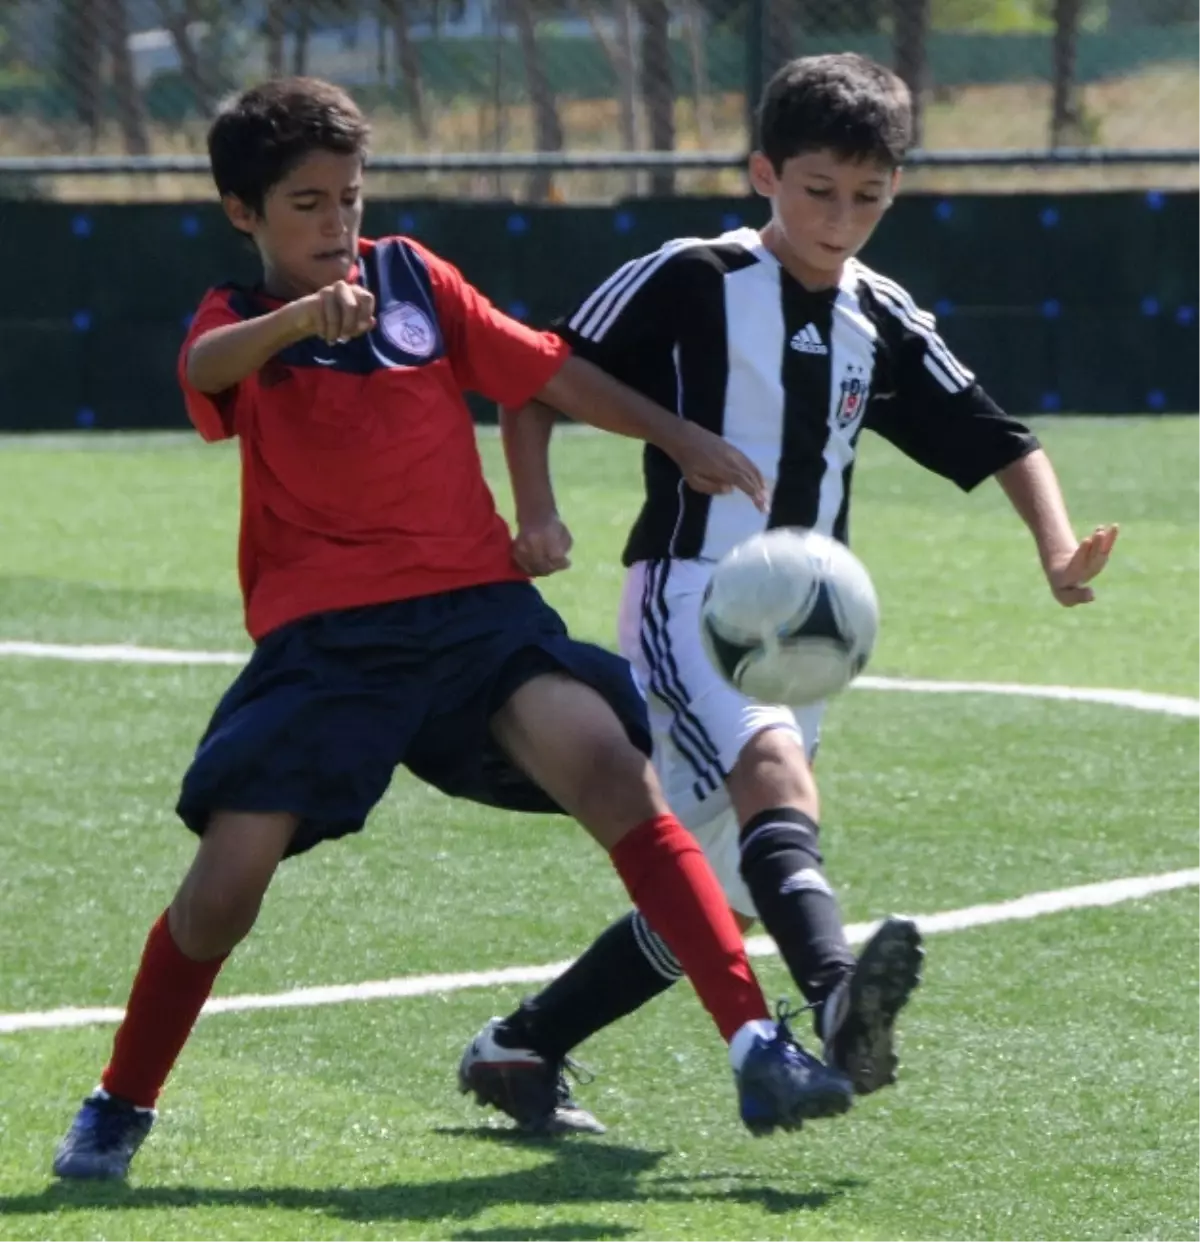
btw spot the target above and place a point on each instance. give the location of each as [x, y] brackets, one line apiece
[780, 1086]
[103, 1139]
[857, 1022]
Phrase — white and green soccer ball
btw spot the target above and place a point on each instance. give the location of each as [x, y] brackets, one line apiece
[790, 617]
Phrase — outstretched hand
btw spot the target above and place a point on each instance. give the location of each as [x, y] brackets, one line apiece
[1069, 577]
[712, 465]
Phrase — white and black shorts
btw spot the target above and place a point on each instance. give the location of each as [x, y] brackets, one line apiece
[699, 722]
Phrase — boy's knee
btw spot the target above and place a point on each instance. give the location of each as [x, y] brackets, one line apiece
[209, 921]
[772, 770]
[616, 789]
[220, 897]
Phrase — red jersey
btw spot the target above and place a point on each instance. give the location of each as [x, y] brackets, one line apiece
[361, 478]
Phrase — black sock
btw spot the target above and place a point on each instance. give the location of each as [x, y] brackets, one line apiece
[627, 965]
[781, 865]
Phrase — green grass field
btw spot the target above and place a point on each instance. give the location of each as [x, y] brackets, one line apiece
[1049, 1081]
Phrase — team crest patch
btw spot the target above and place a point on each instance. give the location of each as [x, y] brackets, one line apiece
[852, 397]
[409, 328]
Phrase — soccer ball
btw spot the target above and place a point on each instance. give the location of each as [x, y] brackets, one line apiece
[790, 617]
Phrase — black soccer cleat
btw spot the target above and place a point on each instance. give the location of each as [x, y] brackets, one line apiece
[103, 1139]
[780, 1086]
[528, 1087]
[858, 1019]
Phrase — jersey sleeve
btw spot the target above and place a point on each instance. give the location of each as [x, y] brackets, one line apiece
[636, 310]
[214, 415]
[930, 406]
[491, 353]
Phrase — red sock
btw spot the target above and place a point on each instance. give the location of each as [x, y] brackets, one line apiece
[167, 996]
[672, 884]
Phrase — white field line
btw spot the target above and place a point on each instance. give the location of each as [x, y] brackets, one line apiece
[1031, 906]
[117, 653]
[1138, 700]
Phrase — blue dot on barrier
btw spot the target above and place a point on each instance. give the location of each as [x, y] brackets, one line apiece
[944, 210]
[518, 223]
[518, 310]
[943, 307]
[1051, 402]
[81, 226]
[1185, 316]
[730, 221]
[1051, 308]
[1156, 200]
[81, 321]
[186, 321]
[1150, 307]
[405, 222]
[623, 221]
[190, 225]
[1049, 217]
[1156, 399]
[85, 417]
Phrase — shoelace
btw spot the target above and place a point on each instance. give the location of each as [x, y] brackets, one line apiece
[785, 1014]
[569, 1066]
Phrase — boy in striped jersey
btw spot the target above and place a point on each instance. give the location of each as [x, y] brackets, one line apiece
[786, 345]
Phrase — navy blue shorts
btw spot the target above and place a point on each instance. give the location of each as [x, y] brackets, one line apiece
[328, 706]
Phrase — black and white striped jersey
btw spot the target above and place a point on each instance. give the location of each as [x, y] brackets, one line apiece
[718, 332]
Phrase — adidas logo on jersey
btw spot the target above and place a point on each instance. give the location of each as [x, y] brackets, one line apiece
[808, 341]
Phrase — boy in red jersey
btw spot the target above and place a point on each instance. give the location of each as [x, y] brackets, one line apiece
[392, 625]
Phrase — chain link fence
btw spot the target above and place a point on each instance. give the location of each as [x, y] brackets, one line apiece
[141, 77]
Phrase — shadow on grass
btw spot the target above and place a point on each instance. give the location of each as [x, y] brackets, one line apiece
[574, 1173]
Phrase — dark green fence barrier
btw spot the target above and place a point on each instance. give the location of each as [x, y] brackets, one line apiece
[1081, 302]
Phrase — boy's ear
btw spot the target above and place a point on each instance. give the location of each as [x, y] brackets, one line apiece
[242, 217]
[894, 188]
[762, 175]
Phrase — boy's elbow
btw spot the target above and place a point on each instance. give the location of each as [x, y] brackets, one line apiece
[566, 385]
[194, 371]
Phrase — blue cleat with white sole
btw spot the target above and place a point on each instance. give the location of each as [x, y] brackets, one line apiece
[780, 1086]
[103, 1139]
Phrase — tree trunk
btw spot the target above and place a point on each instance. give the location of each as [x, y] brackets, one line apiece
[910, 43]
[274, 36]
[303, 28]
[408, 65]
[548, 129]
[658, 87]
[1066, 115]
[695, 26]
[193, 73]
[131, 115]
[77, 32]
[382, 28]
[619, 54]
[779, 38]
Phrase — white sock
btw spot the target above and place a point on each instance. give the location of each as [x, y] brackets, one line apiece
[747, 1035]
[101, 1094]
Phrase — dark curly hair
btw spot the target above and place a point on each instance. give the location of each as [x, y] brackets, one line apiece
[844, 103]
[260, 135]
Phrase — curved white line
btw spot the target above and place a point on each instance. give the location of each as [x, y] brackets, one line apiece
[1137, 700]
[1031, 906]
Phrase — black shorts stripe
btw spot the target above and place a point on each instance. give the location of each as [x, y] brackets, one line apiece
[666, 671]
[689, 743]
[666, 682]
